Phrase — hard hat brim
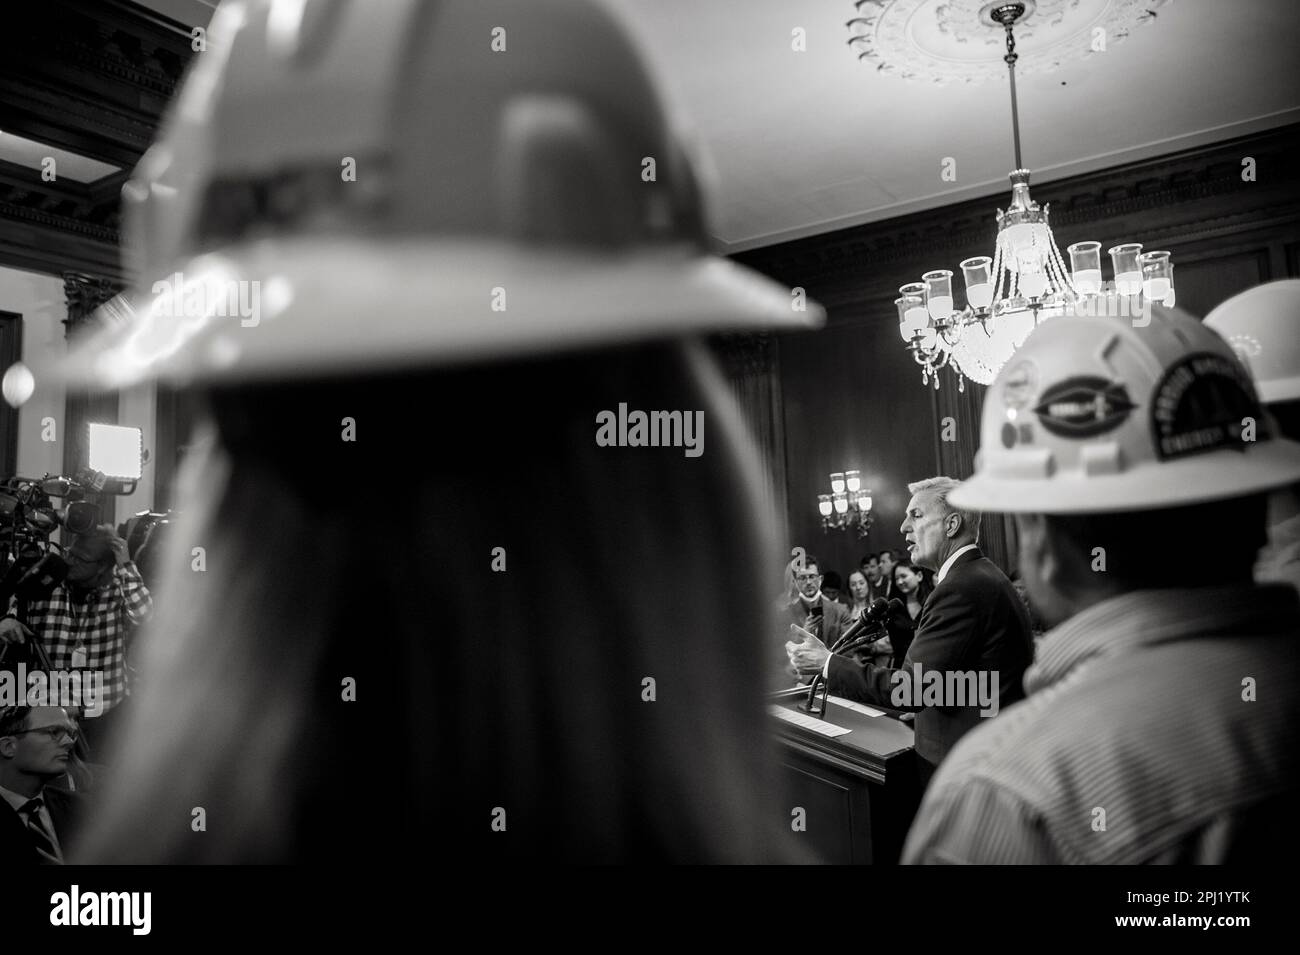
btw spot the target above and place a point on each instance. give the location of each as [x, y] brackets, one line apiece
[1217, 475]
[278, 310]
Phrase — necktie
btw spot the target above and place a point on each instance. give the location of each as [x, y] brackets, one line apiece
[40, 838]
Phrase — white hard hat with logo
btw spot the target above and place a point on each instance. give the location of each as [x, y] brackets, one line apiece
[1094, 414]
[1262, 324]
[405, 184]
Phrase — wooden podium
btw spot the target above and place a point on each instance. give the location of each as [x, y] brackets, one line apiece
[859, 790]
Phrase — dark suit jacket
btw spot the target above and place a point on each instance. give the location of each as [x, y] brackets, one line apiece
[902, 630]
[972, 621]
[835, 617]
[883, 589]
[16, 845]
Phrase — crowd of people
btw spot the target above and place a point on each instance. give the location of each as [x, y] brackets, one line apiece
[53, 743]
[384, 662]
[879, 575]
[1154, 720]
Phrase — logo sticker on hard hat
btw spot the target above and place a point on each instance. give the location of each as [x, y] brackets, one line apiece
[1020, 386]
[1019, 389]
[1200, 405]
[1084, 407]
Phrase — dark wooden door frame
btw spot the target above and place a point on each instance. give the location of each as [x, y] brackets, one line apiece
[11, 350]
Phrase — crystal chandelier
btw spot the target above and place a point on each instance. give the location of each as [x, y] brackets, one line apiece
[1024, 283]
[847, 506]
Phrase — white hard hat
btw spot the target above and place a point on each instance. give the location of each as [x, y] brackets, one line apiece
[1262, 324]
[1094, 414]
[404, 184]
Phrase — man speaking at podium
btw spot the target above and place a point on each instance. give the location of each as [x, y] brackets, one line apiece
[974, 623]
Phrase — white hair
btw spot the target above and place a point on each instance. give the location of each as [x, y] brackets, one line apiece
[938, 488]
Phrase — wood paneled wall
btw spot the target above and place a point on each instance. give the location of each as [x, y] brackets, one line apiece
[850, 396]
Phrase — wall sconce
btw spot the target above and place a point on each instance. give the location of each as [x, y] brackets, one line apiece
[848, 505]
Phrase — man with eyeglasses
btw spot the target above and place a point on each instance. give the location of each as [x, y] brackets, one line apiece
[84, 623]
[35, 750]
[811, 610]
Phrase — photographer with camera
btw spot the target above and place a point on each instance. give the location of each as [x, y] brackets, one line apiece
[84, 621]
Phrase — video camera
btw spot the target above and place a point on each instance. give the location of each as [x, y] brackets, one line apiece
[29, 561]
[28, 516]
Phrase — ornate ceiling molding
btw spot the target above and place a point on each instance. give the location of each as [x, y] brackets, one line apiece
[947, 41]
[91, 77]
[1182, 192]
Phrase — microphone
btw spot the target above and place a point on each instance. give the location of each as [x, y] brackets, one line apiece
[874, 613]
[893, 606]
[852, 639]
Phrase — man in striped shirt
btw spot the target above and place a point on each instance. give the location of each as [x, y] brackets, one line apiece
[85, 621]
[1162, 717]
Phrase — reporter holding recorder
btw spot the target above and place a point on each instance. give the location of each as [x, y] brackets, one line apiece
[84, 622]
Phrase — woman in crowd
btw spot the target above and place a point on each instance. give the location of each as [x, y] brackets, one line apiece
[858, 590]
[881, 651]
[912, 585]
[436, 623]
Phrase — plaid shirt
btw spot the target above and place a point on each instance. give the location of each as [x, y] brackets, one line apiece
[1136, 707]
[98, 626]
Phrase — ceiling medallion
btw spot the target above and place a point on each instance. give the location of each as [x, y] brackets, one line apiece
[946, 41]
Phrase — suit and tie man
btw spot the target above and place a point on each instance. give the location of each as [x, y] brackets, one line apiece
[973, 634]
[811, 610]
[36, 744]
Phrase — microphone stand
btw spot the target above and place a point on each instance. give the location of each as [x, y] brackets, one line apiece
[810, 706]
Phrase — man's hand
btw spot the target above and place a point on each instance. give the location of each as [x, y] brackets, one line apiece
[13, 630]
[121, 552]
[810, 654]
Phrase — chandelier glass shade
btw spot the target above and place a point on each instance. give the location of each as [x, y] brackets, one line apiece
[1024, 283]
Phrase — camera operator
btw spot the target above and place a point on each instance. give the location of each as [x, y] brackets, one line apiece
[84, 622]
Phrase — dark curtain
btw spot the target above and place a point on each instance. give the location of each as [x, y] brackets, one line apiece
[750, 364]
[957, 459]
[11, 350]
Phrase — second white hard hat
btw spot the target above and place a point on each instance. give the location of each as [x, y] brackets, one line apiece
[1262, 324]
[1101, 414]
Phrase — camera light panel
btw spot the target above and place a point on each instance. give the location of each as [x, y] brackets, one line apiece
[116, 451]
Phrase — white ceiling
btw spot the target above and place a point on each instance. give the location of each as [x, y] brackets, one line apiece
[32, 154]
[802, 143]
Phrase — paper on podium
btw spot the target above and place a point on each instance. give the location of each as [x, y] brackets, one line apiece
[808, 722]
[856, 707]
